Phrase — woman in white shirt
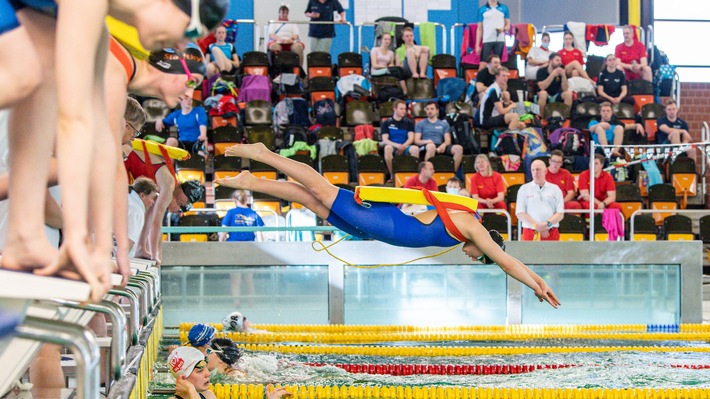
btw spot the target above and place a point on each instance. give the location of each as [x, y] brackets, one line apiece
[284, 36]
[537, 58]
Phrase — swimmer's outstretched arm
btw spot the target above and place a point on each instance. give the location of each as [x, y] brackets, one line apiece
[480, 237]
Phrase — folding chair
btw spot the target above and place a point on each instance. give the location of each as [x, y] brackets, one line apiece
[494, 221]
[224, 137]
[684, 179]
[335, 169]
[443, 168]
[192, 168]
[511, 197]
[678, 228]
[403, 167]
[572, 228]
[349, 63]
[319, 64]
[255, 63]
[371, 169]
[225, 167]
[443, 66]
[662, 197]
[644, 228]
[629, 197]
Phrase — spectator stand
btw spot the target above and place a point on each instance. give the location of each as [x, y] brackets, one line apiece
[350, 26]
[396, 40]
[655, 152]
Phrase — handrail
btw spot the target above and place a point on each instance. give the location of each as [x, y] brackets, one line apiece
[639, 211]
[452, 34]
[272, 21]
[256, 30]
[507, 215]
[520, 222]
[119, 338]
[650, 43]
[134, 320]
[81, 341]
[437, 24]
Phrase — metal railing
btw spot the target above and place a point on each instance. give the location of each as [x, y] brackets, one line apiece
[640, 211]
[650, 42]
[256, 30]
[507, 215]
[373, 24]
[572, 211]
[350, 27]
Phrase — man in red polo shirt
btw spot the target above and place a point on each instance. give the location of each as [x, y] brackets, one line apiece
[425, 179]
[632, 57]
[604, 187]
[560, 176]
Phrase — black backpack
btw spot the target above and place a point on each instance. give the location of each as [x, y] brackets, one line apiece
[324, 111]
[510, 143]
[387, 93]
[462, 133]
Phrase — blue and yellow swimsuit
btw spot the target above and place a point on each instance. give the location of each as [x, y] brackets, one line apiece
[385, 222]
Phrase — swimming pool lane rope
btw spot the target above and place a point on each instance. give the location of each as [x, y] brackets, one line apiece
[336, 335]
[253, 391]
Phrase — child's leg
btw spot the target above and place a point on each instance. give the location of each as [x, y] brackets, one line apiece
[318, 186]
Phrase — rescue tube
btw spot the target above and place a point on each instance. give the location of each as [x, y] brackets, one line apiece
[409, 196]
[128, 36]
[154, 148]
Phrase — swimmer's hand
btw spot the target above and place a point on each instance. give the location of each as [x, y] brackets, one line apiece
[545, 293]
[184, 388]
[277, 393]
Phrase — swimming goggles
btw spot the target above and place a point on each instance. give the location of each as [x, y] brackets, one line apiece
[192, 82]
[194, 29]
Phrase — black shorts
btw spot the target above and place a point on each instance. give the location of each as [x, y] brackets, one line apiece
[447, 151]
[494, 122]
[491, 48]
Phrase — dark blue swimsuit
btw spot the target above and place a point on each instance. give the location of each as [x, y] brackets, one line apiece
[385, 222]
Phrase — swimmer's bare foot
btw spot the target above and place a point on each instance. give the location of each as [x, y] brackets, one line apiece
[75, 261]
[415, 75]
[27, 253]
[250, 151]
[241, 181]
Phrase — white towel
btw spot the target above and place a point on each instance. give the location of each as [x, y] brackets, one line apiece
[579, 31]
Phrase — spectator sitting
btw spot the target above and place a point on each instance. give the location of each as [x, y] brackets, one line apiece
[610, 128]
[560, 176]
[455, 186]
[540, 206]
[382, 61]
[200, 336]
[611, 84]
[552, 84]
[632, 58]
[672, 129]
[241, 216]
[397, 135]
[604, 187]
[433, 135]
[493, 21]
[487, 186]
[538, 57]
[486, 76]
[222, 357]
[424, 179]
[497, 104]
[141, 196]
[192, 378]
[416, 57]
[191, 123]
[322, 35]
[221, 56]
[283, 36]
[572, 58]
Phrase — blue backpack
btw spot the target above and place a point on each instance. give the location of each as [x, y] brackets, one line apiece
[451, 89]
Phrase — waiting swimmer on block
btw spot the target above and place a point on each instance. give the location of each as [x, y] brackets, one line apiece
[380, 221]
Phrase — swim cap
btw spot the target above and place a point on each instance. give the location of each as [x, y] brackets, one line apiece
[193, 191]
[167, 60]
[234, 322]
[183, 360]
[200, 334]
[226, 350]
[211, 13]
[498, 239]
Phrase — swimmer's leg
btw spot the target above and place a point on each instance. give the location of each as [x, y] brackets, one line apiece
[20, 71]
[285, 190]
[318, 186]
[31, 139]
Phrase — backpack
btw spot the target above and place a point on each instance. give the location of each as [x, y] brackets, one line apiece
[324, 111]
[508, 142]
[221, 86]
[570, 140]
[554, 123]
[663, 80]
[462, 133]
[293, 111]
[451, 89]
[387, 93]
[294, 133]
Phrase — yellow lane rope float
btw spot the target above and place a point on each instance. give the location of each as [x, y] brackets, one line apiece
[257, 391]
[403, 196]
[512, 329]
[436, 351]
[128, 36]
